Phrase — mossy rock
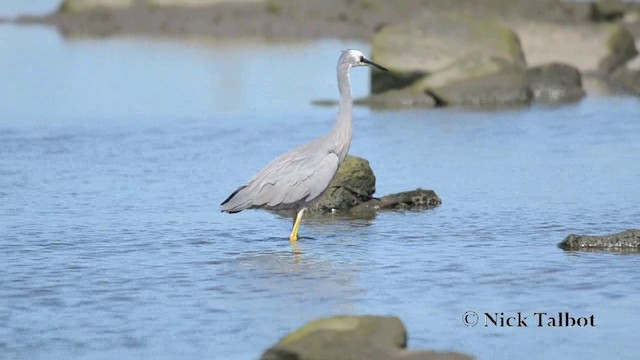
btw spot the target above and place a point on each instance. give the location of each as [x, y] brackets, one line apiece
[354, 183]
[351, 338]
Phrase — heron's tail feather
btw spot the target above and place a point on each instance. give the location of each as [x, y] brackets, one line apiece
[235, 202]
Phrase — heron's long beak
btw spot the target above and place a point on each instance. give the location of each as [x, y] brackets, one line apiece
[369, 62]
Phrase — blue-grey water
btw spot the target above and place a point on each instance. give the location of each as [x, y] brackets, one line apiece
[114, 156]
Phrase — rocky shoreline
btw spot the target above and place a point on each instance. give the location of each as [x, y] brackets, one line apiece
[471, 53]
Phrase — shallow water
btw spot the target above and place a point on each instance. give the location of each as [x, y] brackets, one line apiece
[115, 154]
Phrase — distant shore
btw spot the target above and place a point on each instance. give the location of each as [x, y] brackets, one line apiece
[545, 27]
[281, 19]
[549, 30]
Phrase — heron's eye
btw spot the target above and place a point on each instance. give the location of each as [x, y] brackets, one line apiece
[361, 58]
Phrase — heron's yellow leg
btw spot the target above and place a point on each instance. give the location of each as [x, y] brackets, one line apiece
[296, 226]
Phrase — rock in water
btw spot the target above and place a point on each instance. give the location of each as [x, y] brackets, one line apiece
[351, 338]
[555, 83]
[354, 184]
[628, 240]
[418, 199]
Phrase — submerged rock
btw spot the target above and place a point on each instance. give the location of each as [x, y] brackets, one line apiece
[354, 184]
[555, 83]
[351, 338]
[628, 240]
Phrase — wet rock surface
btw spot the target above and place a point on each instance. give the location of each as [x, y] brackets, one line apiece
[418, 199]
[410, 200]
[626, 241]
[352, 338]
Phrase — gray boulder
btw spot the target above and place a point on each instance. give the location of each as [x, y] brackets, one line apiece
[354, 184]
[627, 77]
[621, 48]
[429, 44]
[351, 338]
[502, 88]
[555, 83]
[591, 48]
[626, 241]
[607, 10]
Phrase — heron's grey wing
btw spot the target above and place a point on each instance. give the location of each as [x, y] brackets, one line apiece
[302, 174]
[302, 180]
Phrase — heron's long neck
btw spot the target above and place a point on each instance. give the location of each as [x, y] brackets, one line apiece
[342, 129]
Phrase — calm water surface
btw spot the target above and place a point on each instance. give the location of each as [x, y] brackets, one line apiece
[115, 154]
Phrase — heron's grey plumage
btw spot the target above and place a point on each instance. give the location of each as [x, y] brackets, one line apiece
[296, 178]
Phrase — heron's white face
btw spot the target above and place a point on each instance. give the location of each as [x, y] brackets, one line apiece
[357, 58]
[354, 58]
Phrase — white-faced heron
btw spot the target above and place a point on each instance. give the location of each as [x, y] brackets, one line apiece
[296, 178]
